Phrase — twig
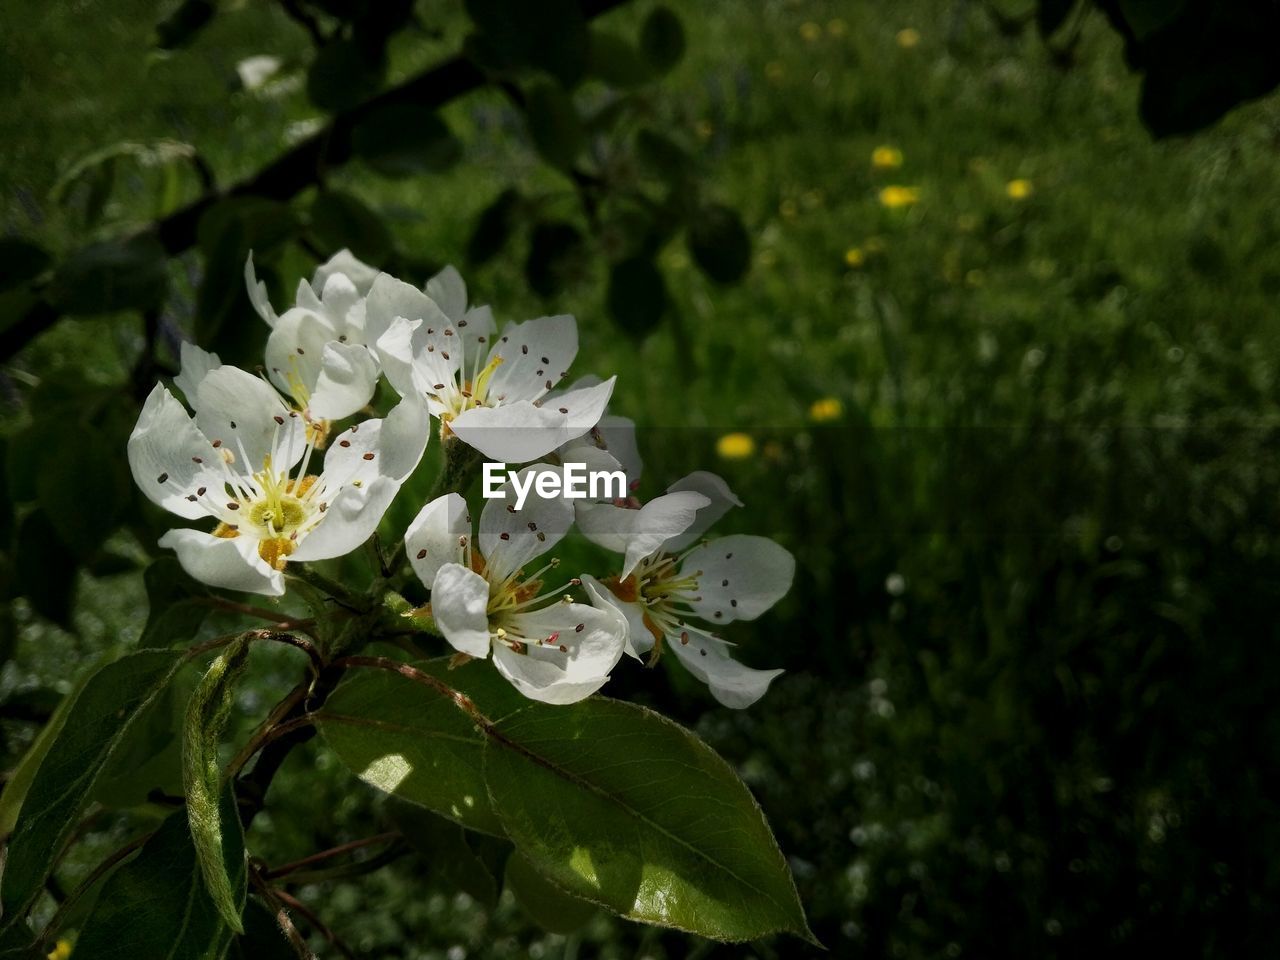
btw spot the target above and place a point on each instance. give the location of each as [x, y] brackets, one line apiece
[288, 868]
[292, 934]
[321, 927]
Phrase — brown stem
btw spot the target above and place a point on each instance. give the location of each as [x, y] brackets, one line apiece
[321, 927]
[268, 729]
[283, 920]
[288, 868]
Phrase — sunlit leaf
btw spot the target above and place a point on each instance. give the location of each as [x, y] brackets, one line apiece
[545, 903]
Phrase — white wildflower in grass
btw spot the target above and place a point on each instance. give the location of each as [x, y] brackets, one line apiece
[484, 603]
[248, 461]
[489, 390]
[674, 595]
[316, 352]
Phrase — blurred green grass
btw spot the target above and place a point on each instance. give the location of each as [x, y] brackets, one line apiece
[1029, 701]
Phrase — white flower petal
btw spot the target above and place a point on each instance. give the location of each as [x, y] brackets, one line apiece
[741, 577]
[520, 431]
[510, 538]
[390, 298]
[295, 348]
[196, 363]
[357, 271]
[535, 357]
[459, 599]
[435, 536]
[730, 682]
[449, 291]
[478, 334]
[246, 414]
[258, 293]
[512, 433]
[349, 520]
[391, 447]
[593, 638]
[721, 499]
[231, 563]
[640, 638]
[655, 524]
[169, 457]
[348, 378]
[619, 436]
[394, 351]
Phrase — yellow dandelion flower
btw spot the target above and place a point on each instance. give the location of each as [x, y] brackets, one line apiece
[826, 410]
[61, 950]
[810, 31]
[837, 27]
[1018, 189]
[886, 158]
[895, 197]
[775, 70]
[854, 257]
[735, 446]
[908, 38]
[788, 209]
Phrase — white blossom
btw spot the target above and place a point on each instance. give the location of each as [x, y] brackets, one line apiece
[488, 390]
[549, 647]
[245, 460]
[317, 352]
[673, 594]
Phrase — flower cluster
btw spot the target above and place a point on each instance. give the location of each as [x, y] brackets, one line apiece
[293, 465]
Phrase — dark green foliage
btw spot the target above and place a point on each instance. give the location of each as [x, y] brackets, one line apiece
[402, 140]
[720, 243]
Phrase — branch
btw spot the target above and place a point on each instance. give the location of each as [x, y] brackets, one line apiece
[294, 170]
[288, 868]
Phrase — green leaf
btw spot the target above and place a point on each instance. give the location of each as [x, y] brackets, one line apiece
[149, 756]
[402, 140]
[550, 35]
[719, 243]
[181, 27]
[341, 220]
[447, 849]
[20, 778]
[619, 806]
[554, 124]
[22, 261]
[637, 295]
[206, 719]
[545, 903]
[110, 276]
[557, 257]
[343, 74]
[662, 39]
[410, 741]
[46, 571]
[156, 904]
[97, 721]
[493, 227]
[174, 608]
[616, 61]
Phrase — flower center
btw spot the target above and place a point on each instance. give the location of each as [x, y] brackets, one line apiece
[664, 595]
